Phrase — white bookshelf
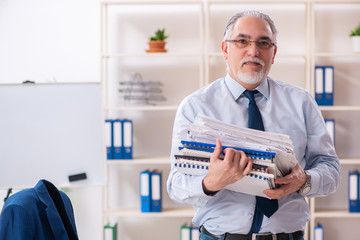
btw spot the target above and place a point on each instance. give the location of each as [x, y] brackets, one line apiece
[181, 72]
[332, 46]
[311, 32]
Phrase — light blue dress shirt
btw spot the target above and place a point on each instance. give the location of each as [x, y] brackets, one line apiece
[285, 109]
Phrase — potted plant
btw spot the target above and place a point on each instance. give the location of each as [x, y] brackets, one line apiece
[157, 41]
[355, 36]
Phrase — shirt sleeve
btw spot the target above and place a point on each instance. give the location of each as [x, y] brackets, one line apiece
[321, 160]
[184, 188]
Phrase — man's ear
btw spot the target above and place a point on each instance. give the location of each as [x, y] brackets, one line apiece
[225, 49]
[275, 50]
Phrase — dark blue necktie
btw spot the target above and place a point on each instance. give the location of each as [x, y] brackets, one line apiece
[264, 206]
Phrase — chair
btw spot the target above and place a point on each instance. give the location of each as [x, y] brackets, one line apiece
[41, 213]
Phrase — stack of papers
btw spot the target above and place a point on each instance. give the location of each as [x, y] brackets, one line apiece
[207, 130]
[272, 154]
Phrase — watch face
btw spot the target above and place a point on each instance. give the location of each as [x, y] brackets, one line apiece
[307, 186]
[306, 190]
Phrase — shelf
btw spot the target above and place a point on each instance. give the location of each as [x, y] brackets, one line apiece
[336, 2]
[327, 54]
[166, 161]
[135, 212]
[150, 55]
[140, 161]
[143, 108]
[137, 2]
[339, 108]
[257, 2]
[349, 161]
[219, 54]
[335, 214]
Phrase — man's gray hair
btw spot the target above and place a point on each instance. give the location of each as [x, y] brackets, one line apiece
[233, 19]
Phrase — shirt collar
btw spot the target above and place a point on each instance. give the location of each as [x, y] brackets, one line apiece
[237, 89]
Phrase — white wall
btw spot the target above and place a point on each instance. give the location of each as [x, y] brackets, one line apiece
[47, 41]
[43, 40]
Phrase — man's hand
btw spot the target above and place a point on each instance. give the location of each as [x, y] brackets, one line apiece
[224, 172]
[290, 183]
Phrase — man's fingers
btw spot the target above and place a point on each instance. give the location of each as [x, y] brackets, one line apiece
[248, 167]
[217, 150]
[244, 160]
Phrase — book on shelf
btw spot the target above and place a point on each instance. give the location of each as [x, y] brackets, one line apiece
[318, 232]
[151, 191]
[110, 232]
[189, 232]
[324, 85]
[353, 191]
[330, 125]
[119, 138]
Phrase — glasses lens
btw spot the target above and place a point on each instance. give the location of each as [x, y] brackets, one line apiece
[263, 44]
[243, 43]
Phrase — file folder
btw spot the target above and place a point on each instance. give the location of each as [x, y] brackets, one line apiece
[109, 140]
[110, 232]
[145, 191]
[353, 192]
[118, 139]
[185, 233]
[318, 232]
[195, 233]
[319, 85]
[156, 199]
[194, 159]
[329, 85]
[330, 125]
[128, 139]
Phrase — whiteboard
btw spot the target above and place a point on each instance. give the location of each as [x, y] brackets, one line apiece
[51, 131]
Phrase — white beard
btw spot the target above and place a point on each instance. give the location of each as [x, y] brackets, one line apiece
[254, 78]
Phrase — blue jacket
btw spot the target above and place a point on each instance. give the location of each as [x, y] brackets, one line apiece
[41, 213]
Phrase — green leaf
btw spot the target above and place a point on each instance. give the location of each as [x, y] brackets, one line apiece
[355, 31]
[159, 35]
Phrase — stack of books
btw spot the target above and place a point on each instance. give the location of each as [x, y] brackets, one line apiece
[272, 154]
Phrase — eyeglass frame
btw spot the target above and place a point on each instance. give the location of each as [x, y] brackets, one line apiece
[249, 42]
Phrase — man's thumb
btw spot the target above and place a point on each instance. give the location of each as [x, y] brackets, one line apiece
[217, 150]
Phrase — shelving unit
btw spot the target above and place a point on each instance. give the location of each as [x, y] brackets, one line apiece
[332, 46]
[311, 32]
[181, 72]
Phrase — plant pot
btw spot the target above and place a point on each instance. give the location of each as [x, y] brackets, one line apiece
[356, 43]
[156, 46]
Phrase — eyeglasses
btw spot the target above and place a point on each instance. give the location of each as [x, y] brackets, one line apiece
[243, 43]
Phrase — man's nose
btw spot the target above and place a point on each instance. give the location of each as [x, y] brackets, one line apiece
[252, 49]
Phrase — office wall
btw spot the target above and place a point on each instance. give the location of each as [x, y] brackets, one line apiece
[55, 41]
[49, 40]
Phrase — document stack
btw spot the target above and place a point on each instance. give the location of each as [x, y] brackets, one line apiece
[272, 154]
[150, 191]
[140, 92]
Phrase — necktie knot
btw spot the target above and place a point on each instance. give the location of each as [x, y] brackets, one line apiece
[250, 95]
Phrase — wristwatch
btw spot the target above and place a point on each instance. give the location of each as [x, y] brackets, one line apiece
[306, 187]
